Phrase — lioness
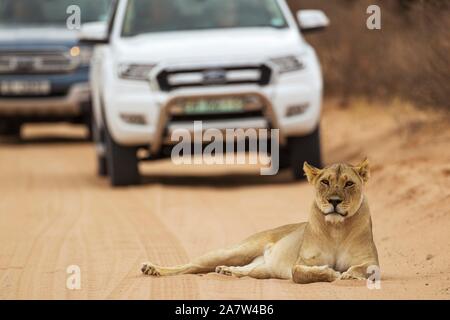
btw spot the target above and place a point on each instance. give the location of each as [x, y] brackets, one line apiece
[336, 242]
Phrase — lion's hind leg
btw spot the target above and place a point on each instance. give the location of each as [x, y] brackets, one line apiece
[242, 254]
[236, 256]
[151, 269]
[256, 269]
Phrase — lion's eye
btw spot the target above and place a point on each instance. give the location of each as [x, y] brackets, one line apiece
[349, 184]
[325, 182]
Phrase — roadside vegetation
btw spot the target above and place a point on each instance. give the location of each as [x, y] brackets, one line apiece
[408, 59]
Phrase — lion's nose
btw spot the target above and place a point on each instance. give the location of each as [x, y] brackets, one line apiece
[334, 202]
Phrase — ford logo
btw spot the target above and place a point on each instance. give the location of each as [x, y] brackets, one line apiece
[215, 77]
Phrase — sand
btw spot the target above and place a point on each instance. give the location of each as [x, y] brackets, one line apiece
[54, 213]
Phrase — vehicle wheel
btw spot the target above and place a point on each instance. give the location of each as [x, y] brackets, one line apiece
[121, 163]
[100, 146]
[102, 166]
[88, 121]
[284, 159]
[102, 163]
[90, 135]
[10, 129]
[301, 149]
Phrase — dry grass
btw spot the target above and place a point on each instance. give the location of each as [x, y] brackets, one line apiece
[408, 58]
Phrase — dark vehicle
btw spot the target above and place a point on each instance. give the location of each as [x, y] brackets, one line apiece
[44, 70]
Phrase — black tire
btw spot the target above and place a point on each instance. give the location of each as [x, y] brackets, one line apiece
[98, 136]
[102, 166]
[10, 129]
[121, 163]
[88, 121]
[301, 149]
[90, 135]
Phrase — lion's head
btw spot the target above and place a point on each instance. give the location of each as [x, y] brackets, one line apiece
[339, 189]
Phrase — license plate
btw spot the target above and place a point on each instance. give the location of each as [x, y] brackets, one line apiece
[202, 106]
[18, 88]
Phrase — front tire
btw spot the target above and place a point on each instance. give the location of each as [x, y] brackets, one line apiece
[10, 129]
[301, 149]
[102, 166]
[100, 144]
[90, 132]
[121, 163]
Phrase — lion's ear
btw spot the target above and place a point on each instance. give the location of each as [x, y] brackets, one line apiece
[363, 169]
[310, 172]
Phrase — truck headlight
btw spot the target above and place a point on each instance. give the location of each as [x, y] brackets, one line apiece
[134, 71]
[288, 64]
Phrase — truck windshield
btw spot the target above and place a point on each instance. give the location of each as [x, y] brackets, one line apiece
[148, 16]
[15, 13]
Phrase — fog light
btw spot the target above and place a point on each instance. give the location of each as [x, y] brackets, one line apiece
[133, 118]
[297, 110]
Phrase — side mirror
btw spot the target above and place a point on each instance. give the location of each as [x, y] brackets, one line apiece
[94, 32]
[312, 20]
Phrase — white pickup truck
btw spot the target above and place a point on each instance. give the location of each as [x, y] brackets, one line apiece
[159, 57]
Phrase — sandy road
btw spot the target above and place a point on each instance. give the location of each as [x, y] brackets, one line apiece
[54, 213]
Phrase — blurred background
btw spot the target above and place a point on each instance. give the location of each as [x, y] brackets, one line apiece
[409, 58]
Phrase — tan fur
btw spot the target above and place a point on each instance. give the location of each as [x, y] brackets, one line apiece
[336, 242]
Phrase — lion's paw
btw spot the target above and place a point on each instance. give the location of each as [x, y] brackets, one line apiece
[224, 270]
[351, 276]
[149, 269]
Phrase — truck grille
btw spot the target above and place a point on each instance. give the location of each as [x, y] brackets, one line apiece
[32, 62]
[218, 116]
[171, 79]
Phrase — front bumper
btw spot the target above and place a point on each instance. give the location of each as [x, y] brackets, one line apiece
[137, 100]
[72, 104]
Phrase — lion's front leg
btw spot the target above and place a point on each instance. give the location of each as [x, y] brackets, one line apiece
[305, 274]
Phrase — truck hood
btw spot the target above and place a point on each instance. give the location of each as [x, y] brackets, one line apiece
[255, 44]
[24, 37]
